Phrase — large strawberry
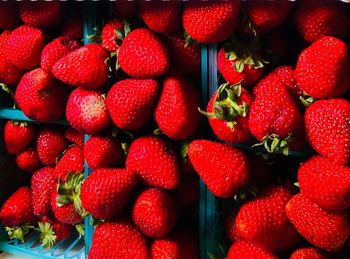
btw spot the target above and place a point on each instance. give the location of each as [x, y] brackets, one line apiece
[244, 249]
[40, 96]
[18, 135]
[143, 55]
[130, 102]
[210, 22]
[24, 47]
[176, 113]
[75, 137]
[326, 229]
[84, 67]
[109, 35]
[322, 68]
[9, 15]
[28, 160]
[72, 161]
[105, 203]
[308, 253]
[222, 168]
[155, 161]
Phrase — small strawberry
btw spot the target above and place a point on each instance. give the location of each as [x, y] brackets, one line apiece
[28, 160]
[325, 229]
[176, 113]
[9, 15]
[75, 137]
[109, 35]
[155, 161]
[130, 102]
[321, 71]
[308, 253]
[72, 161]
[124, 8]
[245, 249]
[73, 28]
[222, 168]
[84, 67]
[210, 22]
[143, 55]
[18, 135]
[42, 184]
[87, 111]
[187, 194]
[24, 47]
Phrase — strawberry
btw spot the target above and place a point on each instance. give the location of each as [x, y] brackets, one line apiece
[130, 102]
[187, 194]
[328, 130]
[40, 96]
[176, 113]
[315, 19]
[325, 183]
[42, 184]
[41, 14]
[308, 253]
[107, 202]
[154, 212]
[55, 50]
[124, 8]
[102, 151]
[322, 228]
[9, 15]
[322, 68]
[143, 55]
[160, 16]
[155, 161]
[52, 230]
[50, 143]
[72, 161]
[222, 168]
[84, 67]
[18, 135]
[28, 160]
[246, 249]
[24, 47]
[263, 220]
[75, 137]
[73, 28]
[210, 22]
[109, 36]
[127, 240]
[87, 111]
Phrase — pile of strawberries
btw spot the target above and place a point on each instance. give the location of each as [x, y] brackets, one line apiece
[284, 76]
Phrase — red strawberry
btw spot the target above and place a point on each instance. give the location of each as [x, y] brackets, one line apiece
[160, 16]
[18, 135]
[130, 102]
[124, 8]
[42, 184]
[24, 47]
[322, 68]
[50, 143]
[9, 15]
[127, 240]
[187, 194]
[28, 160]
[109, 35]
[176, 113]
[245, 249]
[155, 161]
[75, 137]
[105, 203]
[87, 111]
[71, 161]
[73, 28]
[103, 152]
[210, 22]
[143, 55]
[40, 96]
[155, 213]
[315, 19]
[222, 168]
[325, 229]
[328, 130]
[308, 253]
[84, 67]
[52, 230]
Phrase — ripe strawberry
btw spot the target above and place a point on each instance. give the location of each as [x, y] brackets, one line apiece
[187, 194]
[24, 47]
[322, 68]
[87, 111]
[130, 102]
[176, 113]
[9, 15]
[109, 35]
[315, 19]
[160, 16]
[325, 229]
[28, 160]
[71, 161]
[222, 168]
[210, 22]
[52, 230]
[18, 135]
[75, 137]
[124, 8]
[155, 161]
[40, 96]
[84, 67]
[102, 151]
[105, 203]
[55, 50]
[328, 130]
[143, 55]
[42, 184]
[245, 249]
[308, 253]
[50, 143]
[73, 28]
[127, 240]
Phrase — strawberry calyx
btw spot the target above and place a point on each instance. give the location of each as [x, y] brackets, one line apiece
[47, 234]
[274, 144]
[18, 232]
[80, 228]
[8, 90]
[96, 37]
[22, 124]
[306, 100]
[122, 33]
[189, 40]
